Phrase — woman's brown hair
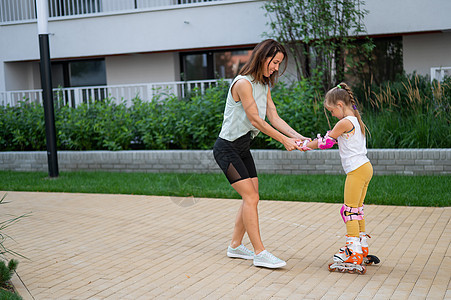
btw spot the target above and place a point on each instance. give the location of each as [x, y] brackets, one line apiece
[342, 92]
[255, 64]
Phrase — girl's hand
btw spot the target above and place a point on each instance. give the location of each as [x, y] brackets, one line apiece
[303, 144]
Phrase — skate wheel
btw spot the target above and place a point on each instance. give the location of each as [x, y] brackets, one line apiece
[363, 271]
[368, 262]
[331, 269]
[342, 270]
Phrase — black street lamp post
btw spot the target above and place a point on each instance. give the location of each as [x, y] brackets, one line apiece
[46, 83]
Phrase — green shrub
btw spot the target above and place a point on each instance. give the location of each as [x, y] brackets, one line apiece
[180, 124]
[301, 106]
[7, 295]
[22, 127]
[206, 115]
[100, 125]
[6, 271]
[410, 112]
[145, 129]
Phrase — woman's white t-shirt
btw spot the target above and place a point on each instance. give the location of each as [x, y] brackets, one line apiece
[236, 123]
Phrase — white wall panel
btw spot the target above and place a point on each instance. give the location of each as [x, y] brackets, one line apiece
[214, 25]
[398, 16]
[141, 68]
[160, 30]
[424, 51]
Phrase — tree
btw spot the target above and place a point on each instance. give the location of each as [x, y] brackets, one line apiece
[320, 35]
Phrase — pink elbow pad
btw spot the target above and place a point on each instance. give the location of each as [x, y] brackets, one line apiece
[326, 142]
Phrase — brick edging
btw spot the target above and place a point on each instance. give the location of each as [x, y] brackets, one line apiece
[385, 161]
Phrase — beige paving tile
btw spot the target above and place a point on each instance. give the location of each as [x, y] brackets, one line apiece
[85, 246]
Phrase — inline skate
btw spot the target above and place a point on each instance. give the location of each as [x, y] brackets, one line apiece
[349, 258]
[367, 259]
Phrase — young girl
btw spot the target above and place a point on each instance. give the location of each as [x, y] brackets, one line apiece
[350, 133]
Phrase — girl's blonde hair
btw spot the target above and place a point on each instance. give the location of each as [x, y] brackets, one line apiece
[342, 92]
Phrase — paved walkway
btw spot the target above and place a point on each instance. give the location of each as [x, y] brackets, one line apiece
[85, 246]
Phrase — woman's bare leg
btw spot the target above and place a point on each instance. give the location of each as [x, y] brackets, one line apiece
[247, 216]
[239, 229]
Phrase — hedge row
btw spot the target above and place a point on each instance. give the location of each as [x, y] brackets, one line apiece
[405, 120]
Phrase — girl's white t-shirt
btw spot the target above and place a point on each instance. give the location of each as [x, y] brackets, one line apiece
[352, 147]
[236, 123]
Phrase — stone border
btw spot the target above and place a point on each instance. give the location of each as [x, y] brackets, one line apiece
[385, 161]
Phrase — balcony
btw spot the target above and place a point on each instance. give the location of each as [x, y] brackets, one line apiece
[73, 97]
[22, 11]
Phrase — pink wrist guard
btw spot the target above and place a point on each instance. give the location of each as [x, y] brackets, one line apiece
[326, 142]
[303, 145]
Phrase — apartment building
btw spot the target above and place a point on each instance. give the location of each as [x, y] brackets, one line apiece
[123, 42]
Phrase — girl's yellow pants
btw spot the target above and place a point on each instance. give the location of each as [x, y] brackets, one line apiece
[356, 186]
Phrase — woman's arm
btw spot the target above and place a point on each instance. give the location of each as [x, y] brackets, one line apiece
[242, 91]
[278, 122]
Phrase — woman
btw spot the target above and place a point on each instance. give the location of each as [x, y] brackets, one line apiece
[248, 103]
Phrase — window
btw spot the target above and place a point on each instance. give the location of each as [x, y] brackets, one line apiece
[213, 64]
[229, 63]
[387, 58]
[385, 64]
[87, 73]
[80, 73]
[198, 66]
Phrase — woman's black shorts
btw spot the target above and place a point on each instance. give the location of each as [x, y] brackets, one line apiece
[235, 159]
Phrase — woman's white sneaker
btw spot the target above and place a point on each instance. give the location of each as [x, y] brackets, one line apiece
[240, 252]
[267, 260]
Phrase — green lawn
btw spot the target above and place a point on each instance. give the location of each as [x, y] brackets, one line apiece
[383, 190]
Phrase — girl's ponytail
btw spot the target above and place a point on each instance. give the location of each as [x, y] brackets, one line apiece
[354, 106]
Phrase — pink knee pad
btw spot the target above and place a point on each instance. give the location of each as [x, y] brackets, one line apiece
[354, 213]
[361, 210]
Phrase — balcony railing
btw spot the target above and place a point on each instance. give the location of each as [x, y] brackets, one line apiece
[439, 73]
[117, 93]
[17, 11]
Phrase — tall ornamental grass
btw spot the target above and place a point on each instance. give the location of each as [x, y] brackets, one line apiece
[411, 112]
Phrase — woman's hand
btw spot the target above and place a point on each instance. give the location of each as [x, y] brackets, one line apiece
[291, 144]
